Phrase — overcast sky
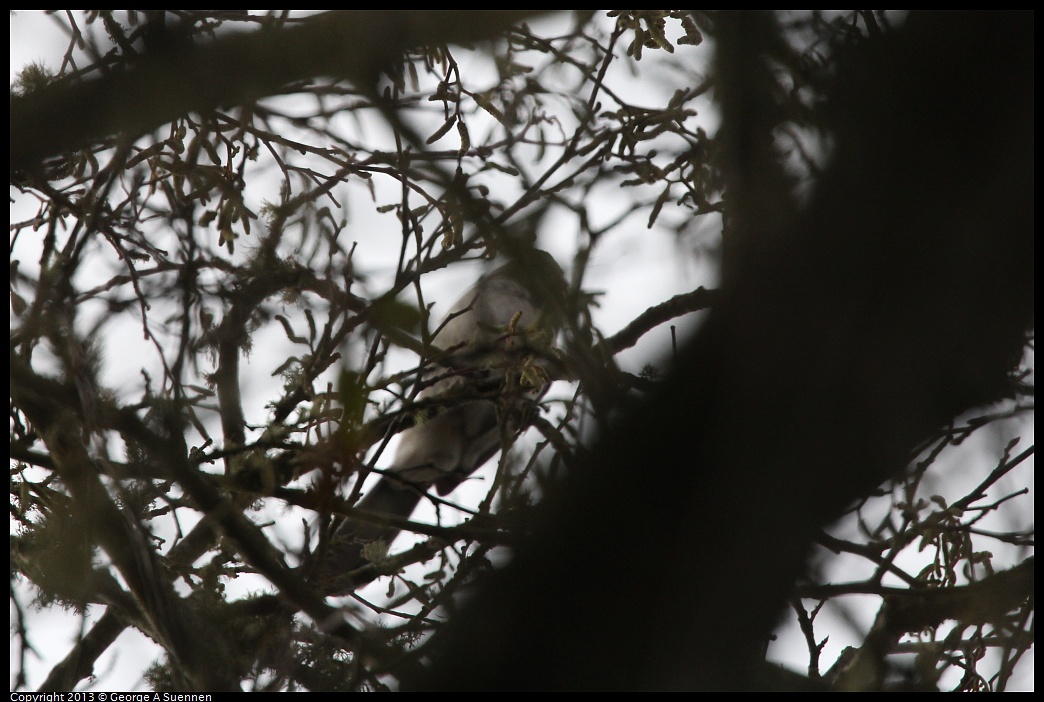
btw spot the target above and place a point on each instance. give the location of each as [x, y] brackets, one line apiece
[635, 268]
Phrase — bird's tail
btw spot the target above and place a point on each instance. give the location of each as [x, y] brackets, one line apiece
[346, 549]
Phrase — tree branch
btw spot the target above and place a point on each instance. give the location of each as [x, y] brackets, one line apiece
[237, 69]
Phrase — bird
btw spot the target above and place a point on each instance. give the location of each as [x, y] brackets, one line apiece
[496, 343]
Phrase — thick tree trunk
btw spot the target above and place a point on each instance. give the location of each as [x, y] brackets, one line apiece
[897, 300]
